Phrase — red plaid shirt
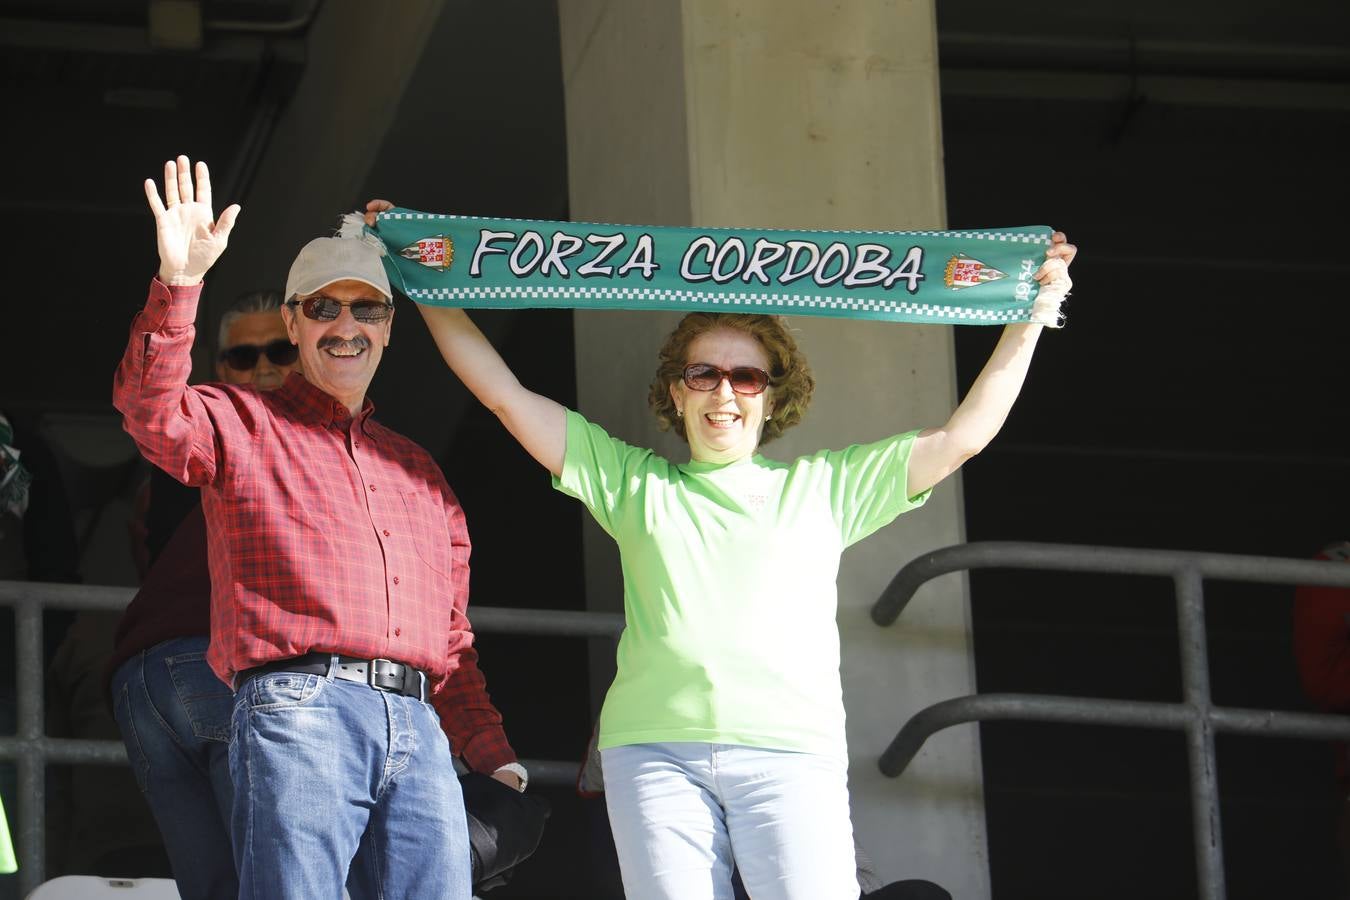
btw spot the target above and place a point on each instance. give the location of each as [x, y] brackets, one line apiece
[325, 532]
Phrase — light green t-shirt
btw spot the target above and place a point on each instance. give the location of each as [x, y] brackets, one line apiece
[729, 585]
[7, 862]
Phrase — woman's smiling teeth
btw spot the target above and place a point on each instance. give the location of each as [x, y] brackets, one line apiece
[721, 419]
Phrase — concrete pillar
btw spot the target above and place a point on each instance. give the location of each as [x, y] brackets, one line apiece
[796, 114]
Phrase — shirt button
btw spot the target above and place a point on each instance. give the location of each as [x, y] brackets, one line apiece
[356, 444]
[395, 579]
[386, 532]
[372, 487]
[397, 632]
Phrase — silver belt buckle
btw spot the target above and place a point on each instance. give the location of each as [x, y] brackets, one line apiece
[378, 668]
[383, 667]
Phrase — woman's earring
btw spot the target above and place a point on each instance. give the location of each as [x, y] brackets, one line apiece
[679, 414]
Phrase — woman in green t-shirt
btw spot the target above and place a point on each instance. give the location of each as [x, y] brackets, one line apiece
[722, 736]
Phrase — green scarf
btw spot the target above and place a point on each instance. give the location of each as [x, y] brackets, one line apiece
[974, 277]
[14, 478]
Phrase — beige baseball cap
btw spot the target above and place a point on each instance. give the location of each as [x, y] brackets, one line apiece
[328, 259]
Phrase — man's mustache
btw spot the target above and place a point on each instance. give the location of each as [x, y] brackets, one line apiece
[360, 342]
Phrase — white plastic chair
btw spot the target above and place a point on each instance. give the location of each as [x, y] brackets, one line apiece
[94, 887]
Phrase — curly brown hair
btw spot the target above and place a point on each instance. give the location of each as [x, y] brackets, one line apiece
[789, 375]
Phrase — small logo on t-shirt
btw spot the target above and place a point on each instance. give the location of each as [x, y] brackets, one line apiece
[757, 502]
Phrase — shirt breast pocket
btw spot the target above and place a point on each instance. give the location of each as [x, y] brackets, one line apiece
[431, 537]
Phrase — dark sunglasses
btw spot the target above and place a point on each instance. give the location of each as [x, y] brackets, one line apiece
[743, 379]
[326, 309]
[242, 357]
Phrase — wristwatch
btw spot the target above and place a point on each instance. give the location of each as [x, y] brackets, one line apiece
[519, 771]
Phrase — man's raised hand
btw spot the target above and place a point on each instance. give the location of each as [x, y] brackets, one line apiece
[190, 238]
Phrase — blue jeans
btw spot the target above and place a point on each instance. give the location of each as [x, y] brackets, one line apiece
[683, 813]
[174, 715]
[330, 775]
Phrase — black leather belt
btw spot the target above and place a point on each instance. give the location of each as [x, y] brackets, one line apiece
[381, 674]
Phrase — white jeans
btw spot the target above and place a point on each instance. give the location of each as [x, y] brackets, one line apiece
[683, 813]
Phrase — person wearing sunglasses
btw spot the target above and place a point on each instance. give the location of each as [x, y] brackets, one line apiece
[339, 578]
[724, 726]
[171, 709]
[174, 713]
[254, 346]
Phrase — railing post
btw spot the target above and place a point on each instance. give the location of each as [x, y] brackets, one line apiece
[1208, 834]
[31, 834]
[1197, 715]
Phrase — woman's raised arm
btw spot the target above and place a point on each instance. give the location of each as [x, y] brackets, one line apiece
[938, 452]
[538, 423]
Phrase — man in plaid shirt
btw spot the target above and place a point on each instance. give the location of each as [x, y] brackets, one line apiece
[339, 574]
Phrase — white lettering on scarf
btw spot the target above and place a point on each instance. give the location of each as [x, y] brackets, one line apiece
[708, 259]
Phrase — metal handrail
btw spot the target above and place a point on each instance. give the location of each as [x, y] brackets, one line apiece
[32, 751]
[1196, 715]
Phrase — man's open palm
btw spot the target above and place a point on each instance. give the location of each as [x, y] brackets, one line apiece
[190, 238]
